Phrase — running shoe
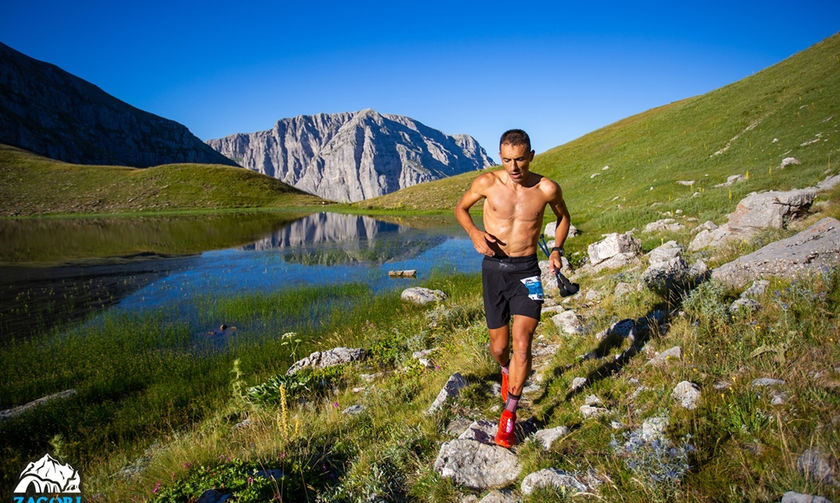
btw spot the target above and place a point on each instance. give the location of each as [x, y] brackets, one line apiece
[506, 436]
[504, 386]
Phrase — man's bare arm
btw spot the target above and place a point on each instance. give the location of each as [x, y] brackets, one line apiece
[558, 206]
[477, 191]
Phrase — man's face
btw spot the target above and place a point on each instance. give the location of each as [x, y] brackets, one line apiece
[515, 159]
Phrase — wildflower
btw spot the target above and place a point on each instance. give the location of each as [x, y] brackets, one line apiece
[250, 481]
[335, 405]
[157, 487]
[437, 367]
[187, 465]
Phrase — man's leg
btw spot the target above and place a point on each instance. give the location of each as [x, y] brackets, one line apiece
[520, 365]
[500, 349]
[499, 345]
[520, 362]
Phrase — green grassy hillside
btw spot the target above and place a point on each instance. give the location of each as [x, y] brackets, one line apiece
[35, 185]
[789, 109]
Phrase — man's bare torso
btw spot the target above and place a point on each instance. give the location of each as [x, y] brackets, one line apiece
[513, 214]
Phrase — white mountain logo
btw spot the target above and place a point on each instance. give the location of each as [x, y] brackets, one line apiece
[47, 475]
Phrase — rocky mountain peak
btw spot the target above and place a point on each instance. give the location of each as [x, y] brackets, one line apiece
[353, 156]
[53, 113]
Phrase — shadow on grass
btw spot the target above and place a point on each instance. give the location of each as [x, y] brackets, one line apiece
[639, 331]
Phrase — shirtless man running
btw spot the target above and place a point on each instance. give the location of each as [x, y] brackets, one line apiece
[514, 205]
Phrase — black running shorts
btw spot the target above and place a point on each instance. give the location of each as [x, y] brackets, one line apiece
[511, 286]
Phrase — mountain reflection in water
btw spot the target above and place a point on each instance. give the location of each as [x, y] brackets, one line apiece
[316, 250]
[331, 239]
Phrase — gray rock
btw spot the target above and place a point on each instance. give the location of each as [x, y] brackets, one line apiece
[745, 304]
[809, 250]
[665, 252]
[483, 431]
[625, 329]
[353, 156]
[589, 412]
[324, 359]
[730, 180]
[762, 210]
[708, 225]
[458, 425]
[767, 381]
[622, 289]
[551, 478]
[245, 423]
[476, 465]
[759, 210]
[817, 465]
[616, 262]
[53, 113]
[829, 183]
[551, 227]
[270, 473]
[789, 161]
[371, 377]
[569, 322]
[423, 357]
[421, 296]
[698, 271]
[547, 437]
[553, 309]
[653, 429]
[354, 410]
[542, 349]
[670, 354]
[451, 389]
[592, 400]
[794, 497]
[778, 398]
[612, 246]
[687, 393]
[497, 496]
[666, 224]
[757, 289]
[213, 496]
[666, 278]
[578, 383]
[16, 411]
[592, 294]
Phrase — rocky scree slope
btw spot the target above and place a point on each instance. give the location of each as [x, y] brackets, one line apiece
[353, 156]
[53, 113]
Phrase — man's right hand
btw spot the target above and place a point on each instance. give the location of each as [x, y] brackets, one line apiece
[482, 242]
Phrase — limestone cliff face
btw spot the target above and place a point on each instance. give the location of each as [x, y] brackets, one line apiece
[53, 113]
[353, 156]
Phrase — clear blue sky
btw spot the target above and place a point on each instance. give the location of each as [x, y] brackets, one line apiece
[557, 69]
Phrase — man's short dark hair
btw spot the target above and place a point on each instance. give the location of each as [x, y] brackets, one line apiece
[515, 137]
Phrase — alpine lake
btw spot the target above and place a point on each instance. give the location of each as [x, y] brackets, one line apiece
[56, 271]
[144, 318]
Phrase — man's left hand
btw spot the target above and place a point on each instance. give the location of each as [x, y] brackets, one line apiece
[555, 262]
